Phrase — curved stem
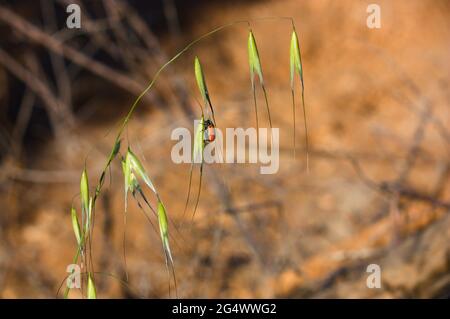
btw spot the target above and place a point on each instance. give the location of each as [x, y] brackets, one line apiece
[189, 190]
[306, 127]
[256, 115]
[199, 190]
[293, 116]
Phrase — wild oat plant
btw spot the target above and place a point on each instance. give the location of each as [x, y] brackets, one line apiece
[136, 177]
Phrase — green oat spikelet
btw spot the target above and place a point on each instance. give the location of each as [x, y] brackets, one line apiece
[89, 215]
[200, 78]
[84, 191]
[256, 68]
[201, 83]
[132, 167]
[76, 225]
[86, 202]
[126, 168]
[163, 228]
[164, 232]
[131, 183]
[199, 142]
[253, 60]
[295, 59]
[91, 291]
[296, 66]
[137, 167]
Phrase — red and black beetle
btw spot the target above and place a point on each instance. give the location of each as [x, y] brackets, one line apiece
[210, 132]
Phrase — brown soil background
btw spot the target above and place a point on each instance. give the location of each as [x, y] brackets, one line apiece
[367, 94]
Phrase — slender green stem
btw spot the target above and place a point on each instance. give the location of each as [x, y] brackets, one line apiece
[293, 116]
[267, 104]
[199, 190]
[306, 127]
[268, 113]
[124, 245]
[189, 190]
[256, 115]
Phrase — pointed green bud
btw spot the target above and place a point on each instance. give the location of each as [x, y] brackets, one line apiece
[254, 60]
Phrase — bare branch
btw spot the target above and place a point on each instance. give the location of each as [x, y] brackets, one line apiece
[34, 83]
[36, 35]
